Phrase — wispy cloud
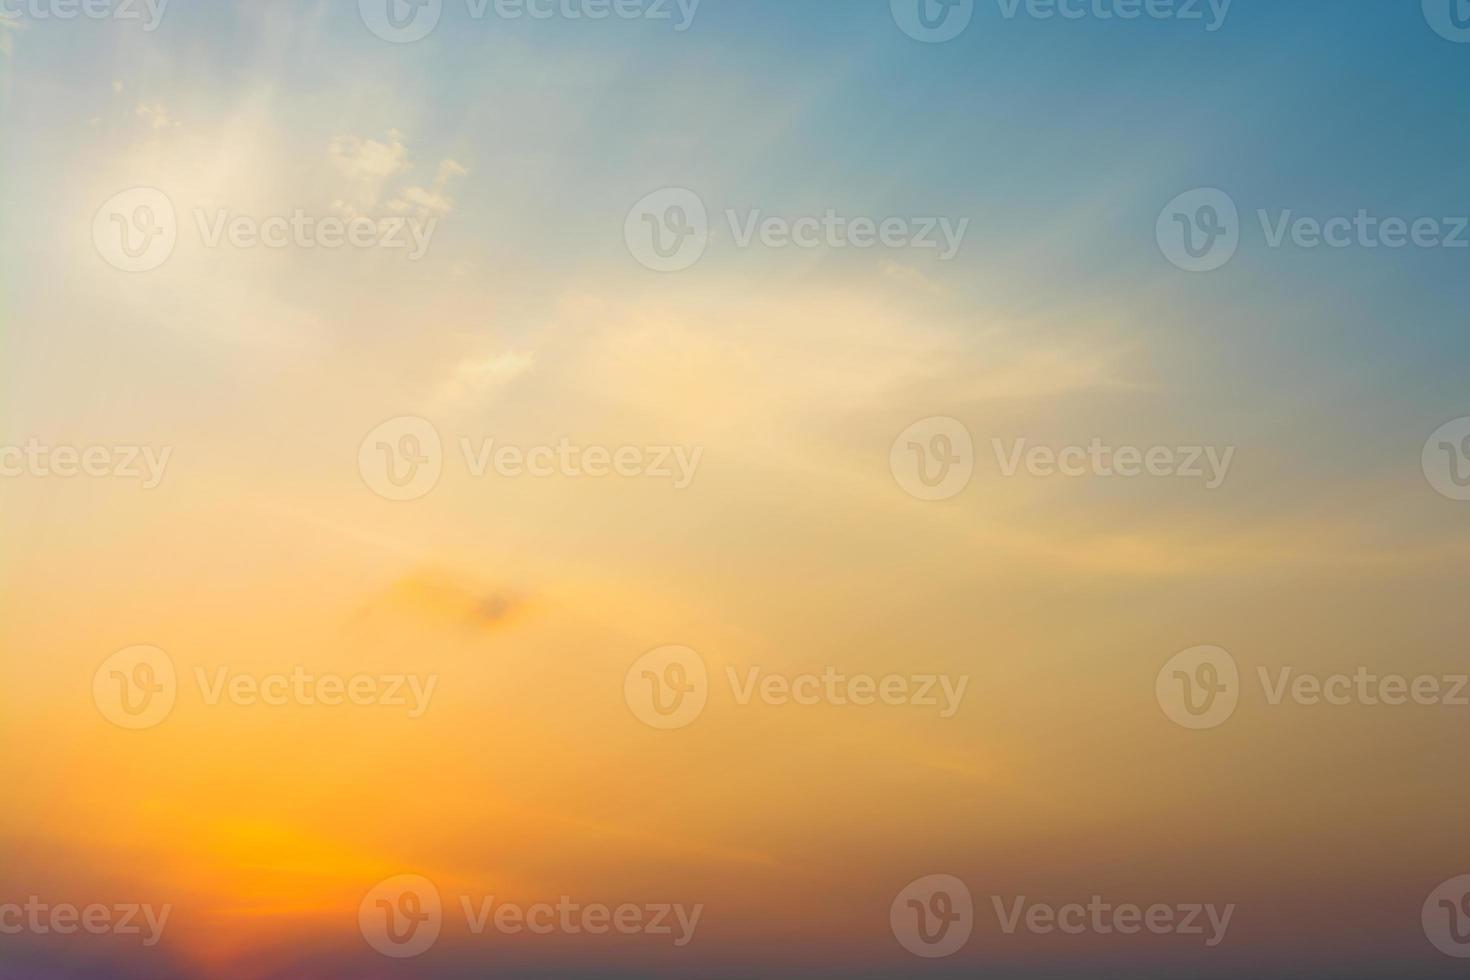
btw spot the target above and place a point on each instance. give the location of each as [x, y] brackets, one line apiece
[9, 27]
[368, 168]
[152, 113]
[473, 379]
[433, 201]
[448, 599]
[368, 164]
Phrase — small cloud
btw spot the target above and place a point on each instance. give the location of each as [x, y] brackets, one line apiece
[448, 599]
[422, 202]
[473, 379]
[155, 115]
[9, 24]
[117, 87]
[495, 607]
[451, 168]
[367, 165]
[430, 202]
[907, 275]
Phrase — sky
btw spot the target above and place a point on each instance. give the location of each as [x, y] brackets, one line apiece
[520, 621]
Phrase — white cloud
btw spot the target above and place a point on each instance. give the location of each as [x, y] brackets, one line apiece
[472, 379]
[912, 277]
[155, 115]
[8, 24]
[424, 202]
[368, 165]
[451, 168]
[430, 202]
